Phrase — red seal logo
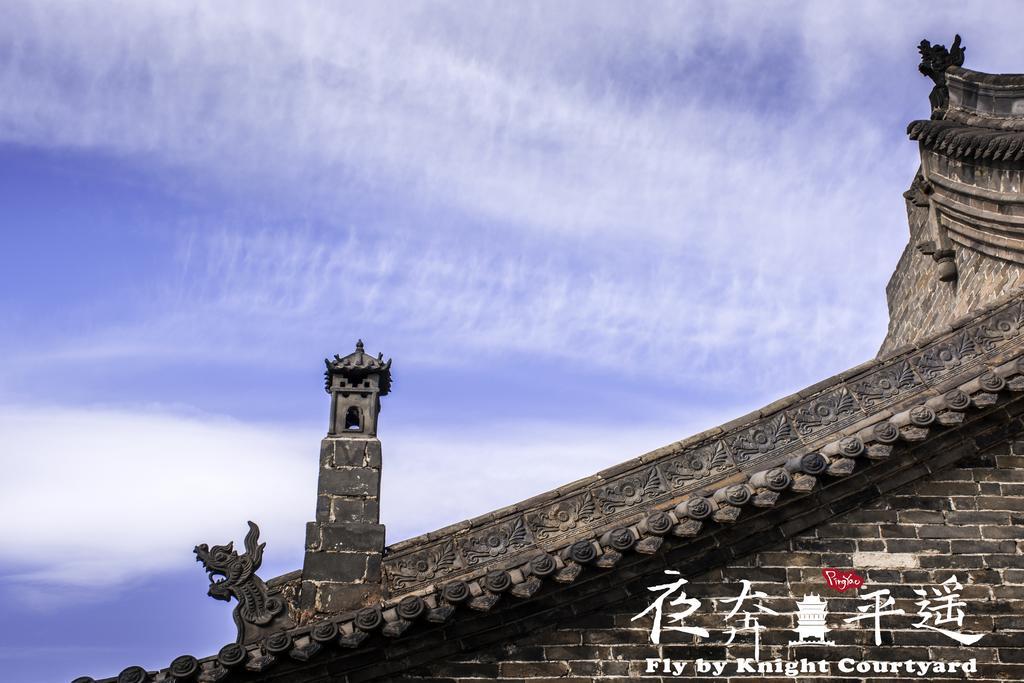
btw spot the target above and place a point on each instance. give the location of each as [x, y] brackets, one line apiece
[842, 581]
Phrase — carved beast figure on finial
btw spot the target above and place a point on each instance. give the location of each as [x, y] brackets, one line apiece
[935, 59]
[257, 607]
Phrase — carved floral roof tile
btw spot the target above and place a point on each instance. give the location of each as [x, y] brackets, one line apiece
[798, 423]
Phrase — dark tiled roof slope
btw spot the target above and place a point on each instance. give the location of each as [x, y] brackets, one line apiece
[682, 493]
[960, 141]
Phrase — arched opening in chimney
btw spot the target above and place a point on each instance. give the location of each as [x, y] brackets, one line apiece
[353, 421]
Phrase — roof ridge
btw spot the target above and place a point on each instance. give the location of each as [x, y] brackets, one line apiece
[730, 427]
[994, 365]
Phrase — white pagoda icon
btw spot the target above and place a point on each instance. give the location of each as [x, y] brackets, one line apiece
[810, 621]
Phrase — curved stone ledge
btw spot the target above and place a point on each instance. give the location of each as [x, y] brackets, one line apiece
[995, 100]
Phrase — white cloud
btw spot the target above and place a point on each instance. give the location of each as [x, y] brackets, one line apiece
[432, 479]
[684, 317]
[534, 120]
[105, 496]
[513, 128]
[665, 219]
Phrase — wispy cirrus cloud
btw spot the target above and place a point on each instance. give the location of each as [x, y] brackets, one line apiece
[675, 182]
[605, 133]
[685, 316]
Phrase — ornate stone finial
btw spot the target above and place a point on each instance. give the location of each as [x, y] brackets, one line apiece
[358, 366]
[935, 59]
[258, 611]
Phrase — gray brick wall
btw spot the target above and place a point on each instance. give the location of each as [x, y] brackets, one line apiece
[920, 304]
[967, 521]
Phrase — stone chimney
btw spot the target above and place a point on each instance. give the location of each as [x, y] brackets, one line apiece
[344, 545]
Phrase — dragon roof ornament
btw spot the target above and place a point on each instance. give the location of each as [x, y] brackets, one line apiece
[935, 59]
[259, 611]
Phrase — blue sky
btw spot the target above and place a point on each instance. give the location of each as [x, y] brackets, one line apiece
[581, 230]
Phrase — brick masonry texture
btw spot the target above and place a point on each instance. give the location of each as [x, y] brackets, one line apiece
[967, 520]
[912, 477]
[920, 304]
[341, 569]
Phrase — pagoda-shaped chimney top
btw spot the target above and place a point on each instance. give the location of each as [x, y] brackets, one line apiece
[357, 366]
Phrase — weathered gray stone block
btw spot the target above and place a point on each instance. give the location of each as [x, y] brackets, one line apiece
[323, 507]
[373, 458]
[307, 595]
[336, 597]
[326, 452]
[355, 510]
[332, 566]
[349, 453]
[354, 537]
[312, 536]
[356, 481]
[373, 565]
